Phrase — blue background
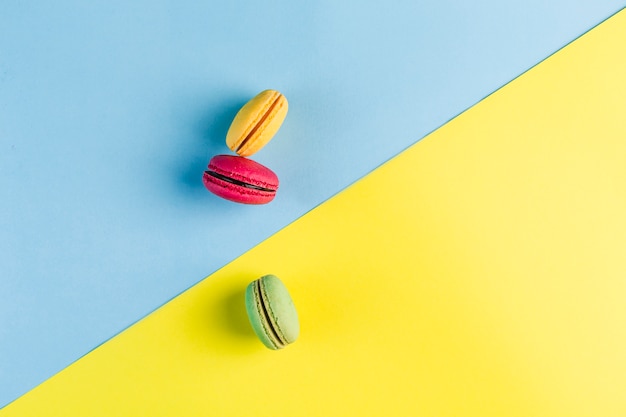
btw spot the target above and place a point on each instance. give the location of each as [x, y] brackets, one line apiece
[109, 112]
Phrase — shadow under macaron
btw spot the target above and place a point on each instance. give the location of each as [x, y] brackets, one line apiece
[234, 317]
[217, 320]
[206, 137]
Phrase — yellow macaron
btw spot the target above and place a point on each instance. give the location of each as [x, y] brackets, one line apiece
[257, 122]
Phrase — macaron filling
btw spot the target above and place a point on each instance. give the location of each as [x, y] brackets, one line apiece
[238, 182]
[266, 316]
[259, 123]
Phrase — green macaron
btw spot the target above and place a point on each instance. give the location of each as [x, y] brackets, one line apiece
[271, 312]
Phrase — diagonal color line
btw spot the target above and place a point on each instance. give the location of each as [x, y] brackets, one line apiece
[180, 342]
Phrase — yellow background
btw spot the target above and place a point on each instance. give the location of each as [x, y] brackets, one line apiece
[482, 272]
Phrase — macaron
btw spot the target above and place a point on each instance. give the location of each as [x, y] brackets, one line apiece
[271, 312]
[241, 180]
[257, 122]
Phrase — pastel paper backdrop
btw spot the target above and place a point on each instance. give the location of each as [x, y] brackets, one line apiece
[479, 273]
[109, 112]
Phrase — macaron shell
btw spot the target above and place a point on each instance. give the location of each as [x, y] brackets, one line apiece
[255, 317]
[244, 170]
[257, 122]
[281, 308]
[235, 193]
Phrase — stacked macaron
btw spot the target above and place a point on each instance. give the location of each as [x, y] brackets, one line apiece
[237, 178]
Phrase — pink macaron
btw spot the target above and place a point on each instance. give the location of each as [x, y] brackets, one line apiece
[241, 180]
